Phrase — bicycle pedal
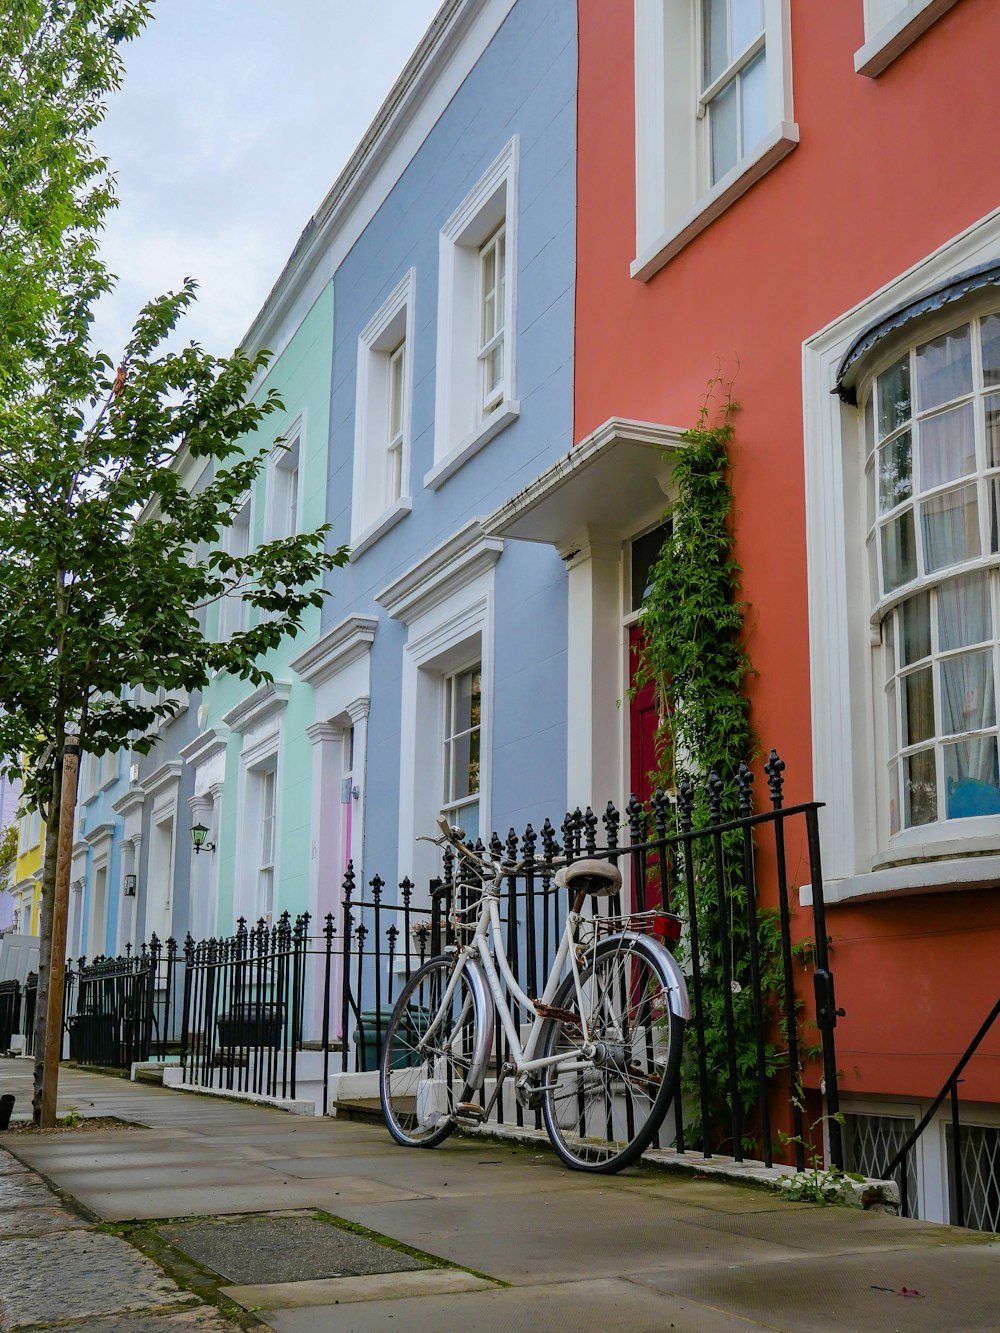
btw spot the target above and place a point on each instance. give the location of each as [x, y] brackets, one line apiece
[469, 1113]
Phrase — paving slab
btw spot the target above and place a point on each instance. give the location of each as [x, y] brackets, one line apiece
[552, 1236]
[23, 1191]
[348, 1290]
[284, 1249]
[598, 1305]
[202, 1320]
[78, 1274]
[36, 1221]
[857, 1293]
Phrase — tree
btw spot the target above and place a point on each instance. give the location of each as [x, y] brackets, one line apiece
[108, 563]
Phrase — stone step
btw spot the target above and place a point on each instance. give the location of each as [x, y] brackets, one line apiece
[365, 1109]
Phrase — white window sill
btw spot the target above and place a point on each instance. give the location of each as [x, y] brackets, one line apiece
[501, 416]
[884, 46]
[915, 877]
[775, 146]
[381, 526]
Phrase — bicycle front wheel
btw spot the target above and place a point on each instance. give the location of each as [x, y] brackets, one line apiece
[602, 1113]
[428, 1055]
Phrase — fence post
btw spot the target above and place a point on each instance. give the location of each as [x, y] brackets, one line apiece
[827, 1012]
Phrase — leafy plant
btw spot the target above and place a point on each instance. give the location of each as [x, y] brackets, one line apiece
[819, 1185]
[695, 657]
[72, 1118]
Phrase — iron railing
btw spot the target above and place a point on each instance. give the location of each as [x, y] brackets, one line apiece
[10, 1012]
[727, 879]
[125, 1010]
[950, 1089]
[254, 1003]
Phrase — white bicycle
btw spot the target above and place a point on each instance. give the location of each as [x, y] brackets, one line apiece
[601, 1058]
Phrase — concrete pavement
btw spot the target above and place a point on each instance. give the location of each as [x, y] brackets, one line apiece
[501, 1234]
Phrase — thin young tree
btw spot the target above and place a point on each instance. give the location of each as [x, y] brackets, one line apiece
[108, 562]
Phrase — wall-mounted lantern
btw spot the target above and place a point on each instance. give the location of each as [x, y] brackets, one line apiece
[198, 835]
[129, 885]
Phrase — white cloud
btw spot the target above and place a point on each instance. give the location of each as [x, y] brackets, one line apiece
[235, 119]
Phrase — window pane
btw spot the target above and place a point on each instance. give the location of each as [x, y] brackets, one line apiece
[890, 704]
[722, 113]
[993, 431]
[944, 368]
[920, 786]
[869, 426]
[894, 798]
[899, 556]
[918, 706]
[970, 769]
[916, 628]
[748, 23]
[716, 39]
[889, 639]
[753, 91]
[870, 494]
[967, 697]
[895, 473]
[893, 390]
[990, 327]
[463, 762]
[951, 528]
[964, 615]
[947, 446]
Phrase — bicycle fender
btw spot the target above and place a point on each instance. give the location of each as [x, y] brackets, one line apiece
[676, 986]
[484, 1028]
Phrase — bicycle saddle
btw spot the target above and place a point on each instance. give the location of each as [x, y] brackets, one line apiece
[592, 876]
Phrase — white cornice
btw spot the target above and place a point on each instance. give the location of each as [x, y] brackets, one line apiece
[102, 833]
[162, 777]
[447, 568]
[615, 478]
[336, 649]
[133, 799]
[206, 746]
[259, 706]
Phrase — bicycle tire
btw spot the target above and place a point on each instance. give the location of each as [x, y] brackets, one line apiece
[603, 1117]
[420, 1089]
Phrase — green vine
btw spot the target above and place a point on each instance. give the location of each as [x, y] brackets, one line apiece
[694, 656]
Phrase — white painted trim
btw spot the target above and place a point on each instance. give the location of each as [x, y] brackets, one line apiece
[258, 707]
[908, 880]
[845, 738]
[369, 520]
[458, 417]
[348, 640]
[491, 426]
[442, 573]
[771, 150]
[447, 636]
[883, 46]
[380, 527]
[674, 198]
[278, 460]
[209, 745]
[162, 778]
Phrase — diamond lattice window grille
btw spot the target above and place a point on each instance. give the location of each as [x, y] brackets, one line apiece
[980, 1176]
[872, 1141]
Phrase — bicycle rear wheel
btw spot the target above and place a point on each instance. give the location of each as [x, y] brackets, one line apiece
[601, 1114]
[428, 1054]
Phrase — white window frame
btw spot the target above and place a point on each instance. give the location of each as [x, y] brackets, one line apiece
[259, 719]
[890, 27]
[860, 861]
[373, 511]
[266, 777]
[463, 422]
[453, 805]
[237, 541]
[283, 497]
[675, 200]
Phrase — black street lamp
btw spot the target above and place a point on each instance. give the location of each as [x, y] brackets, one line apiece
[198, 835]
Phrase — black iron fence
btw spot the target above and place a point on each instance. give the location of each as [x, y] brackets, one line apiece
[10, 1012]
[258, 1006]
[755, 1030]
[125, 1010]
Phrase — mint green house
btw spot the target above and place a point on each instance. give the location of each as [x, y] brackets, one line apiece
[251, 760]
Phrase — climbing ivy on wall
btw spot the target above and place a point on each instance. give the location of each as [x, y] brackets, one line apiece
[695, 657]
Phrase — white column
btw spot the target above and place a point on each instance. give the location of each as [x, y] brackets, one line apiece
[202, 880]
[324, 841]
[358, 710]
[595, 686]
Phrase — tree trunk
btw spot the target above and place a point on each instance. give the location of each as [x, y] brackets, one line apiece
[45, 937]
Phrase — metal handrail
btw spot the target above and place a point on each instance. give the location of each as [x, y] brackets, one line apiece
[950, 1086]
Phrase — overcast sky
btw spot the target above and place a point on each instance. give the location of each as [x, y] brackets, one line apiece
[235, 118]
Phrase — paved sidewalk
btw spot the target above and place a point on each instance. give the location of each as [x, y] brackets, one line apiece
[496, 1235]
